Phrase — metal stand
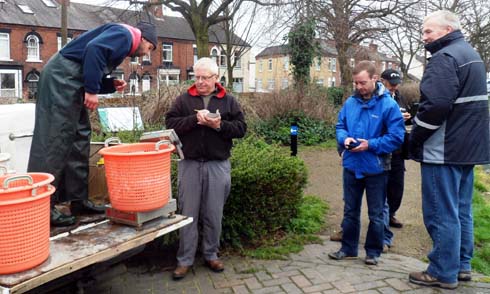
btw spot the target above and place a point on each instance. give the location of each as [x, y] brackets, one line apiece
[137, 219]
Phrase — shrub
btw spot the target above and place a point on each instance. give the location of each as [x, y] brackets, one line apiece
[410, 91]
[265, 194]
[311, 131]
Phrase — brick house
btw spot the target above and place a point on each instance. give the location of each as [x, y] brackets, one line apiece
[30, 34]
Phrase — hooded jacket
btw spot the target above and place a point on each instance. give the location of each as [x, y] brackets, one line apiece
[201, 142]
[377, 120]
[452, 123]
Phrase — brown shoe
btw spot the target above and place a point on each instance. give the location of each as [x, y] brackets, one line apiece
[424, 279]
[336, 236]
[180, 272]
[216, 265]
[395, 223]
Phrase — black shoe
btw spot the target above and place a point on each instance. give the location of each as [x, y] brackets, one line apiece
[371, 260]
[395, 223]
[58, 219]
[85, 207]
[464, 276]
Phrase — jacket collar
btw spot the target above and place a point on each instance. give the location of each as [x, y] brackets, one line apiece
[442, 42]
[378, 92]
[220, 91]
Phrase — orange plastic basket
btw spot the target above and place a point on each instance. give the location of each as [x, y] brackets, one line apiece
[18, 186]
[138, 175]
[24, 226]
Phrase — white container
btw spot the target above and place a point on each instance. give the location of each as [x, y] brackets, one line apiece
[17, 123]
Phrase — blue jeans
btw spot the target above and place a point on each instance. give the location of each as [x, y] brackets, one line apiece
[447, 192]
[388, 234]
[375, 187]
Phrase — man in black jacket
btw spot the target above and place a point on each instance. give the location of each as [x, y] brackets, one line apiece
[449, 137]
[391, 79]
[206, 119]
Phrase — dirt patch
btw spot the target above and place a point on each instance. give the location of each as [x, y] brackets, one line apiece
[325, 181]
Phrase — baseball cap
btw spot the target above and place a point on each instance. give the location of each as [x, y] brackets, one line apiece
[392, 76]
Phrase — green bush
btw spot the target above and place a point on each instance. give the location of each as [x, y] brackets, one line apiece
[335, 95]
[311, 131]
[265, 194]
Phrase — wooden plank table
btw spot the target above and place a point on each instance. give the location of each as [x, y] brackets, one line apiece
[88, 245]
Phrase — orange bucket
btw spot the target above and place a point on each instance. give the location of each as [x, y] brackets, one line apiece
[24, 221]
[138, 175]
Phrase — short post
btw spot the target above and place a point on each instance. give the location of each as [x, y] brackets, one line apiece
[294, 138]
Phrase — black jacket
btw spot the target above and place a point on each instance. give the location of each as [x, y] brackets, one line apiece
[452, 123]
[202, 142]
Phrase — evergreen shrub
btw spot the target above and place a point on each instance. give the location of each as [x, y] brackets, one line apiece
[311, 131]
[265, 194]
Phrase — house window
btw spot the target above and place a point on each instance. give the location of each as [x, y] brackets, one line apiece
[238, 60]
[270, 84]
[333, 64]
[284, 83]
[68, 39]
[270, 65]
[214, 55]
[25, 8]
[318, 64]
[32, 80]
[49, 3]
[222, 59]
[146, 58]
[390, 65]
[194, 51]
[238, 85]
[4, 46]
[286, 63]
[383, 66]
[135, 60]
[332, 82]
[7, 84]
[169, 78]
[145, 82]
[259, 85]
[260, 66]
[32, 48]
[352, 62]
[133, 83]
[167, 52]
[319, 82]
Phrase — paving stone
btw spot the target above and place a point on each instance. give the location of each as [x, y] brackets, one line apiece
[388, 290]
[267, 290]
[263, 276]
[239, 290]
[343, 286]
[286, 273]
[369, 285]
[228, 283]
[332, 291]
[301, 281]
[318, 288]
[252, 283]
[291, 288]
[400, 285]
[276, 282]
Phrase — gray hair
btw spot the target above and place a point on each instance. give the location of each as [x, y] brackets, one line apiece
[444, 18]
[206, 63]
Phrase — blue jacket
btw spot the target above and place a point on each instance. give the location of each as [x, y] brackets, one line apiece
[99, 51]
[452, 123]
[377, 120]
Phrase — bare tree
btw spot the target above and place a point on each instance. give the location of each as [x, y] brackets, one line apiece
[404, 39]
[201, 15]
[349, 22]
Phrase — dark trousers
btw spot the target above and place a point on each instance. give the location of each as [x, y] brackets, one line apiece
[375, 187]
[395, 183]
[61, 141]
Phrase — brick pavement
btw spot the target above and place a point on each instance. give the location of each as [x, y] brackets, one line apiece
[310, 271]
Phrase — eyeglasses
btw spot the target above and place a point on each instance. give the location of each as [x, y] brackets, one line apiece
[204, 78]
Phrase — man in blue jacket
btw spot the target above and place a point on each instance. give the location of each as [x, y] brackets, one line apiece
[68, 86]
[449, 136]
[370, 126]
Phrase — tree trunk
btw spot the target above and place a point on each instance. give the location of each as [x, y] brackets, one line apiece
[200, 28]
[345, 68]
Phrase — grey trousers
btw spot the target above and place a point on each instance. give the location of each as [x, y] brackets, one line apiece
[203, 190]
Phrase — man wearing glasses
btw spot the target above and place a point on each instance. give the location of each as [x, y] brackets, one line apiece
[206, 119]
